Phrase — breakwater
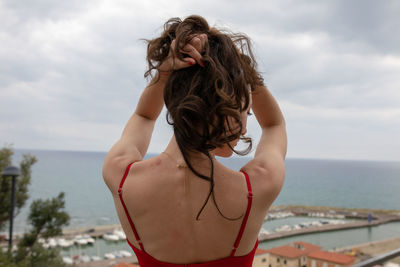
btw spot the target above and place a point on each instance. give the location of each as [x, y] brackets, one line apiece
[361, 216]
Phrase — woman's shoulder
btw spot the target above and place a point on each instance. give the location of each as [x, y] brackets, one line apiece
[115, 167]
[266, 178]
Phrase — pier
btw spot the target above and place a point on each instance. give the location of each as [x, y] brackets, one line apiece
[378, 217]
[327, 228]
[95, 231]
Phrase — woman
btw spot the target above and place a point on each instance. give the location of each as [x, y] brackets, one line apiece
[183, 207]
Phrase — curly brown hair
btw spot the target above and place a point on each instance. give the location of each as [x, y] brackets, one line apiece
[205, 103]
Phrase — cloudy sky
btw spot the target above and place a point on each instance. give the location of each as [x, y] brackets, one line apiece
[71, 71]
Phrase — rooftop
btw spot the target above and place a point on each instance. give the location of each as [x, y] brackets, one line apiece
[260, 251]
[306, 247]
[287, 251]
[331, 257]
[295, 250]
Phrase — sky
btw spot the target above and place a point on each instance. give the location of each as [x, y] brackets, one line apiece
[71, 72]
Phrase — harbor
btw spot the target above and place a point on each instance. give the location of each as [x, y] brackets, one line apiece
[106, 243]
[330, 219]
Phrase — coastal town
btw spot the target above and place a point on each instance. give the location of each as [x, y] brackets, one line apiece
[298, 253]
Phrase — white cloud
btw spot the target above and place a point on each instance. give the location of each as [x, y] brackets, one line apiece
[72, 72]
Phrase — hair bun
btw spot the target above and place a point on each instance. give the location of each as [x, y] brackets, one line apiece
[188, 115]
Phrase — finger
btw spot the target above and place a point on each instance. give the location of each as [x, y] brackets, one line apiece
[198, 41]
[193, 53]
[185, 63]
[172, 48]
[197, 44]
[204, 39]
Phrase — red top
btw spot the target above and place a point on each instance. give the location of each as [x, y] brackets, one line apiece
[146, 260]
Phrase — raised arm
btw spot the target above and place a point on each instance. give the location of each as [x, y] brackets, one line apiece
[268, 162]
[135, 138]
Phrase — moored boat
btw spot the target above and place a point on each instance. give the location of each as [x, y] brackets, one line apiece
[109, 256]
[110, 237]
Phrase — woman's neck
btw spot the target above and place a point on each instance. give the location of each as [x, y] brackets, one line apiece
[196, 158]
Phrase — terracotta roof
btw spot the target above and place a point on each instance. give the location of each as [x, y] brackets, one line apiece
[287, 251]
[331, 257]
[307, 247]
[260, 251]
[124, 264]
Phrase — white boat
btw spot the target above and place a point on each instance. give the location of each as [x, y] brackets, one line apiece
[65, 243]
[338, 222]
[89, 239]
[125, 253]
[84, 258]
[278, 215]
[96, 258]
[80, 241]
[316, 223]
[117, 254]
[303, 225]
[263, 233]
[296, 227]
[121, 235]
[52, 243]
[67, 260]
[110, 237]
[283, 228]
[109, 256]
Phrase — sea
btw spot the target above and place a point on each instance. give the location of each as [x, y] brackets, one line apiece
[314, 182]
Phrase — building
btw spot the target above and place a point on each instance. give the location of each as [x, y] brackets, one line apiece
[293, 255]
[329, 259]
[261, 258]
[306, 247]
[287, 256]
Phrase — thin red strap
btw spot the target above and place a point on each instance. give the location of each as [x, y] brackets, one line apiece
[126, 210]
[249, 201]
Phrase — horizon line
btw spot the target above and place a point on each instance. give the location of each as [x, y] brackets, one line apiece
[234, 156]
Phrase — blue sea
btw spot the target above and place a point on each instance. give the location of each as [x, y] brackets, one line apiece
[338, 183]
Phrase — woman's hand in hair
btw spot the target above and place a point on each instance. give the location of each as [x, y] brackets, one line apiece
[191, 50]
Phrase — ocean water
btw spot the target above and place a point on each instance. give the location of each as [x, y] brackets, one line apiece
[326, 240]
[351, 184]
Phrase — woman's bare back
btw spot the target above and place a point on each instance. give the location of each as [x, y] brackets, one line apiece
[163, 201]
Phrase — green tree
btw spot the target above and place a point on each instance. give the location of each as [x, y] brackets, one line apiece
[21, 185]
[38, 257]
[46, 218]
